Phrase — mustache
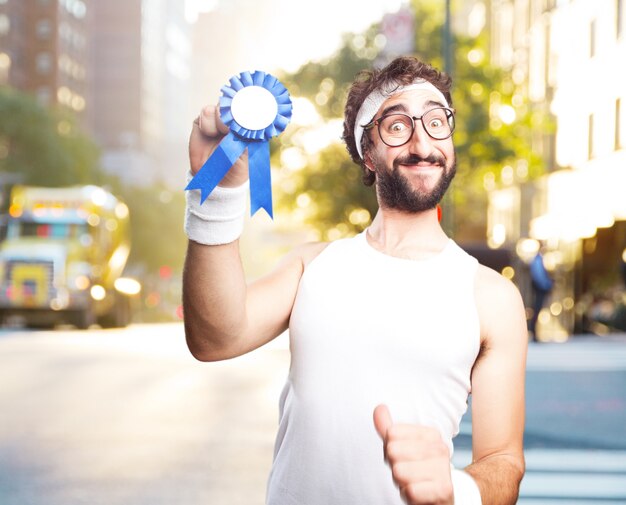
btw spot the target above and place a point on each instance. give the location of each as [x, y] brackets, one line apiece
[414, 159]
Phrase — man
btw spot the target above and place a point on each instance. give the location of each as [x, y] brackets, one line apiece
[542, 285]
[397, 323]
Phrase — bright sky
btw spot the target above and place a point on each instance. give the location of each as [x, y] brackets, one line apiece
[313, 27]
[274, 35]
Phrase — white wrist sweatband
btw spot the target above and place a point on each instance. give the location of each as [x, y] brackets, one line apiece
[219, 219]
[466, 490]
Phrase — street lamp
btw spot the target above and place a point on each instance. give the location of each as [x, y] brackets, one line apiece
[447, 219]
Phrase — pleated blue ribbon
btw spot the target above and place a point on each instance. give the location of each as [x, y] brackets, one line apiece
[241, 138]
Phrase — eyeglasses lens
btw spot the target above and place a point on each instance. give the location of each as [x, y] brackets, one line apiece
[397, 129]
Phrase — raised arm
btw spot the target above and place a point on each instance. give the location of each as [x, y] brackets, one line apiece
[498, 391]
[224, 317]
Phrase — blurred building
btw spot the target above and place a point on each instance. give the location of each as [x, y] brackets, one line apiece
[123, 66]
[227, 39]
[141, 67]
[565, 57]
[45, 50]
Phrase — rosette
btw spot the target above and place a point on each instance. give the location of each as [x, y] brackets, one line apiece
[255, 107]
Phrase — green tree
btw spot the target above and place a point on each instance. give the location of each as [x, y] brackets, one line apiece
[328, 190]
[484, 142]
[44, 146]
[157, 234]
[495, 126]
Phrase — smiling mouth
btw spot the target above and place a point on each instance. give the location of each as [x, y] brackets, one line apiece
[422, 166]
[418, 163]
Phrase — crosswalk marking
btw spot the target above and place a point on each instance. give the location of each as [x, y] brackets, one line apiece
[573, 486]
[577, 460]
[559, 477]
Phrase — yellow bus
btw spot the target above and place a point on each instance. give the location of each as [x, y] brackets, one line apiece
[63, 257]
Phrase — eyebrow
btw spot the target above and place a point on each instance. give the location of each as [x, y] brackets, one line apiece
[394, 108]
[400, 107]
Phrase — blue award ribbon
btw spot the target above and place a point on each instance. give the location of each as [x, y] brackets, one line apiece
[240, 138]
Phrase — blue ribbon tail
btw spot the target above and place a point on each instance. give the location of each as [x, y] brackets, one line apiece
[260, 177]
[215, 168]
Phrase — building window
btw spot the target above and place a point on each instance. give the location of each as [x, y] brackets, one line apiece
[590, 138]
[618, 124]
[5, 24]
[547, 71]
[77, 8]
[592, 39]
[5, 67]
[43, 63]
[44, 29]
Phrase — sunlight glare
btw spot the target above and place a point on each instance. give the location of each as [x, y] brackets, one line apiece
[319, 138]
[304, 112]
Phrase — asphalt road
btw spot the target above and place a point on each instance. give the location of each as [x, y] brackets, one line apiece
[129, 417]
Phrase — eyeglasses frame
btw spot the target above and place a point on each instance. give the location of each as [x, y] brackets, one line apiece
[376, 122]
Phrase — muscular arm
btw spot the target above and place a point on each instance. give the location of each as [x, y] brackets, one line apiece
[498, 391]
[224, 317]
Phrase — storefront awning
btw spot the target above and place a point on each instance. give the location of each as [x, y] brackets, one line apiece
[581, 201]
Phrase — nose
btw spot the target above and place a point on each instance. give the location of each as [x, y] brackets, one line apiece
[420, 141]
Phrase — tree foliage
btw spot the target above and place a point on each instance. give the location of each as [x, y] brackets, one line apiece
[157, 234]
[45, 147]
[487, 145]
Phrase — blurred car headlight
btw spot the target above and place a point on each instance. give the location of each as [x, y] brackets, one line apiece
[128, 286]
[98, 293]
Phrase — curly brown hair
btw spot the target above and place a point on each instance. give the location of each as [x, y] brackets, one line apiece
[403, 70]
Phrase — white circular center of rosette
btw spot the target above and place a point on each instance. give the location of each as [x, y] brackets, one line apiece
[254, 108]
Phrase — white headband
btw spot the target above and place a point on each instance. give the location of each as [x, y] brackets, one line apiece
[375, 99]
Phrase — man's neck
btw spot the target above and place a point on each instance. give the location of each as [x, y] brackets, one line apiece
[407, 235]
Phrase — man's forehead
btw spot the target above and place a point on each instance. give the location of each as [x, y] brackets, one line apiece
[414, 100]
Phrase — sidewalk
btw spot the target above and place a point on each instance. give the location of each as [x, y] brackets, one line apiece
[579, 353]
[589, 337]
[611, 338]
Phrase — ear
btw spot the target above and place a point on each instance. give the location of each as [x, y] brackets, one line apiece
[367, 161]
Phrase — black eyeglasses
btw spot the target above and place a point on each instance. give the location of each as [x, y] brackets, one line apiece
[396, 129]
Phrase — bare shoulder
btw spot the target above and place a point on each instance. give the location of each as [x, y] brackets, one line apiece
[500, 306]
[309, 251]
[300, 256]
[495, 290]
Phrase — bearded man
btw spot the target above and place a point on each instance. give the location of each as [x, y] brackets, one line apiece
[390, 331]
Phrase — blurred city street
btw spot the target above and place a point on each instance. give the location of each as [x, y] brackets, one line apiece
[129, 417]
[97, 101]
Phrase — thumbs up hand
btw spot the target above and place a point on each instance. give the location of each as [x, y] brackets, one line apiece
[419, 460]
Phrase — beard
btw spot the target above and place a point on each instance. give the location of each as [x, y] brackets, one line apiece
[395, 190]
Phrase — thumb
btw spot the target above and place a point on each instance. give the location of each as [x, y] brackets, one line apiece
[382, 420]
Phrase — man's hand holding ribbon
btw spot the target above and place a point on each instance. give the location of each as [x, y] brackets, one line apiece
[207, 132]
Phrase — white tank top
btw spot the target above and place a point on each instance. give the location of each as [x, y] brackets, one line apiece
[368, 328]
